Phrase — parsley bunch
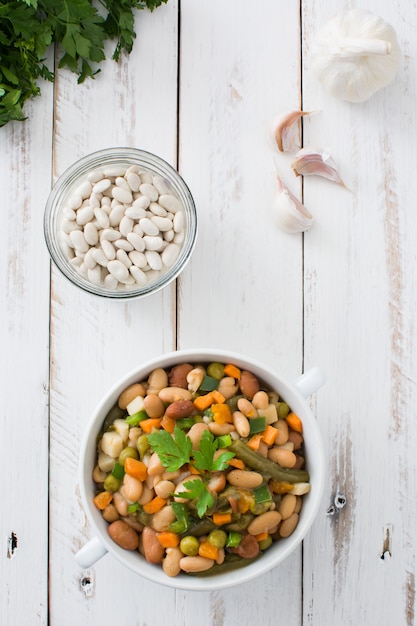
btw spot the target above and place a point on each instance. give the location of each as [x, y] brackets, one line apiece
[176, 450]
[29, 27]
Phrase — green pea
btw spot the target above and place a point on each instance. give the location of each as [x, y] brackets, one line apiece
[265, 543]
[126, 453]
[142, 445]
[283, 410]
[216, 370]
[217, 538]
[189, 545]
[111, 483]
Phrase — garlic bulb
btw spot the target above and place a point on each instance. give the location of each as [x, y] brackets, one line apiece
[355, 55]
[287, 132]
[318, 162]
[292, 216]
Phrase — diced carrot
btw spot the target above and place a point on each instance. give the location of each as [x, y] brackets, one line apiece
[209, 551]
[262, 536]
[218, 397]
[103, 499]
[193, 470]
[294, 422]
[154, 505]
[135, 468]
[254, 442]
[148, 425]
[232, 370]
[278, 486]
[236, 463]
[222, 518]
[269, 435]
[168, 424]
[168, 539]
[222, 413]
[203, 402]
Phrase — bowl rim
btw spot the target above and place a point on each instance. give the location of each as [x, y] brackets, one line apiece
[269, 559]
[113, 155]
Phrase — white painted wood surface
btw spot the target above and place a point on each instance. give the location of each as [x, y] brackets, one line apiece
[201, 88]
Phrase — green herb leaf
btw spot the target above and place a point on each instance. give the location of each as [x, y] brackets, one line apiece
[197, 490]
[173, 450]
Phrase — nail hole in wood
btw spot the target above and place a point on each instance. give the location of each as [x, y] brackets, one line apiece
[11, 545]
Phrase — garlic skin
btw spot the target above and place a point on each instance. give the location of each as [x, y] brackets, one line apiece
[355, 55]
[316, 162]
[292, 216]
[287, 131]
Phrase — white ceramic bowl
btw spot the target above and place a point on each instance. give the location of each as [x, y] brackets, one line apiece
[60, 217]
[294, 393]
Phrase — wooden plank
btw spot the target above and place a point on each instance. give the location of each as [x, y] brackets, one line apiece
[360, 302]
[25, 178]
[239, 70]
[95, 341]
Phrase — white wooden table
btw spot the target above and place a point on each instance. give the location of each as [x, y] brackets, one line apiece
[200, 89]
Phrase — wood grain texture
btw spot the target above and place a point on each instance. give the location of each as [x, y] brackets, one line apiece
[359, 288]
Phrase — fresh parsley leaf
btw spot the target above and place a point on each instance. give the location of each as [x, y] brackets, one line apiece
[173, 450]
[197, 490]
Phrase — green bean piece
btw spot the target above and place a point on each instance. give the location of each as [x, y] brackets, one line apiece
[232, 402]
[216, 370]
[208, 383]
[189, 545]
[217, 538]
[142, 445]
[115, 413]
[201, 527]
[128, 452]
[267, 467]
[136, 418]
[111, 483]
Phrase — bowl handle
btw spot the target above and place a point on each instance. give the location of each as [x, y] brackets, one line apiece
[310, 381]
[90, 553]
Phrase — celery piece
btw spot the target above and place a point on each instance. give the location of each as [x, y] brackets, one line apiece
[208, 383]
[224, 441]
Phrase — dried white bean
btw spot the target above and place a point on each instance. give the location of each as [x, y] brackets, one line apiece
[162, 223]
[108, 249]
[116, 214]
[99, 257]
[133, 180]
[146, 177]
[94, 176]
[170, 254]
[135, 212]
[154, 259]
[91, 234]
[102, 218]
[179, 221]
[126, 226]
[138, 275]
[95, 200]
[106, 204]
[122, 182]
[110, 282]
[68, 213]
[147, 189]
[170, 203]
[78, 240]
[111, 234]
[122, 256]
[94, 275]
[153, 243]
[157, 209]
[84, 190]
[133, 168]
[69, 225]
[122, 195]
[84, 215]
[136, 241]
[169, 235]
[141, 201]
[137, 229]
[101, 185]
[118, 270]
[75, 201]
[89, 259]
[148, 227]
[179, 237]
[114, 170]
[161, 184]
[122, 244]
[138, 258]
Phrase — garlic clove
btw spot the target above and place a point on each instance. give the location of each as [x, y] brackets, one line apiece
[287, 132]
[292, 216]
[318, 162]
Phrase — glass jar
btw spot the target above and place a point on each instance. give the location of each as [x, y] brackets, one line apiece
[72, 193]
